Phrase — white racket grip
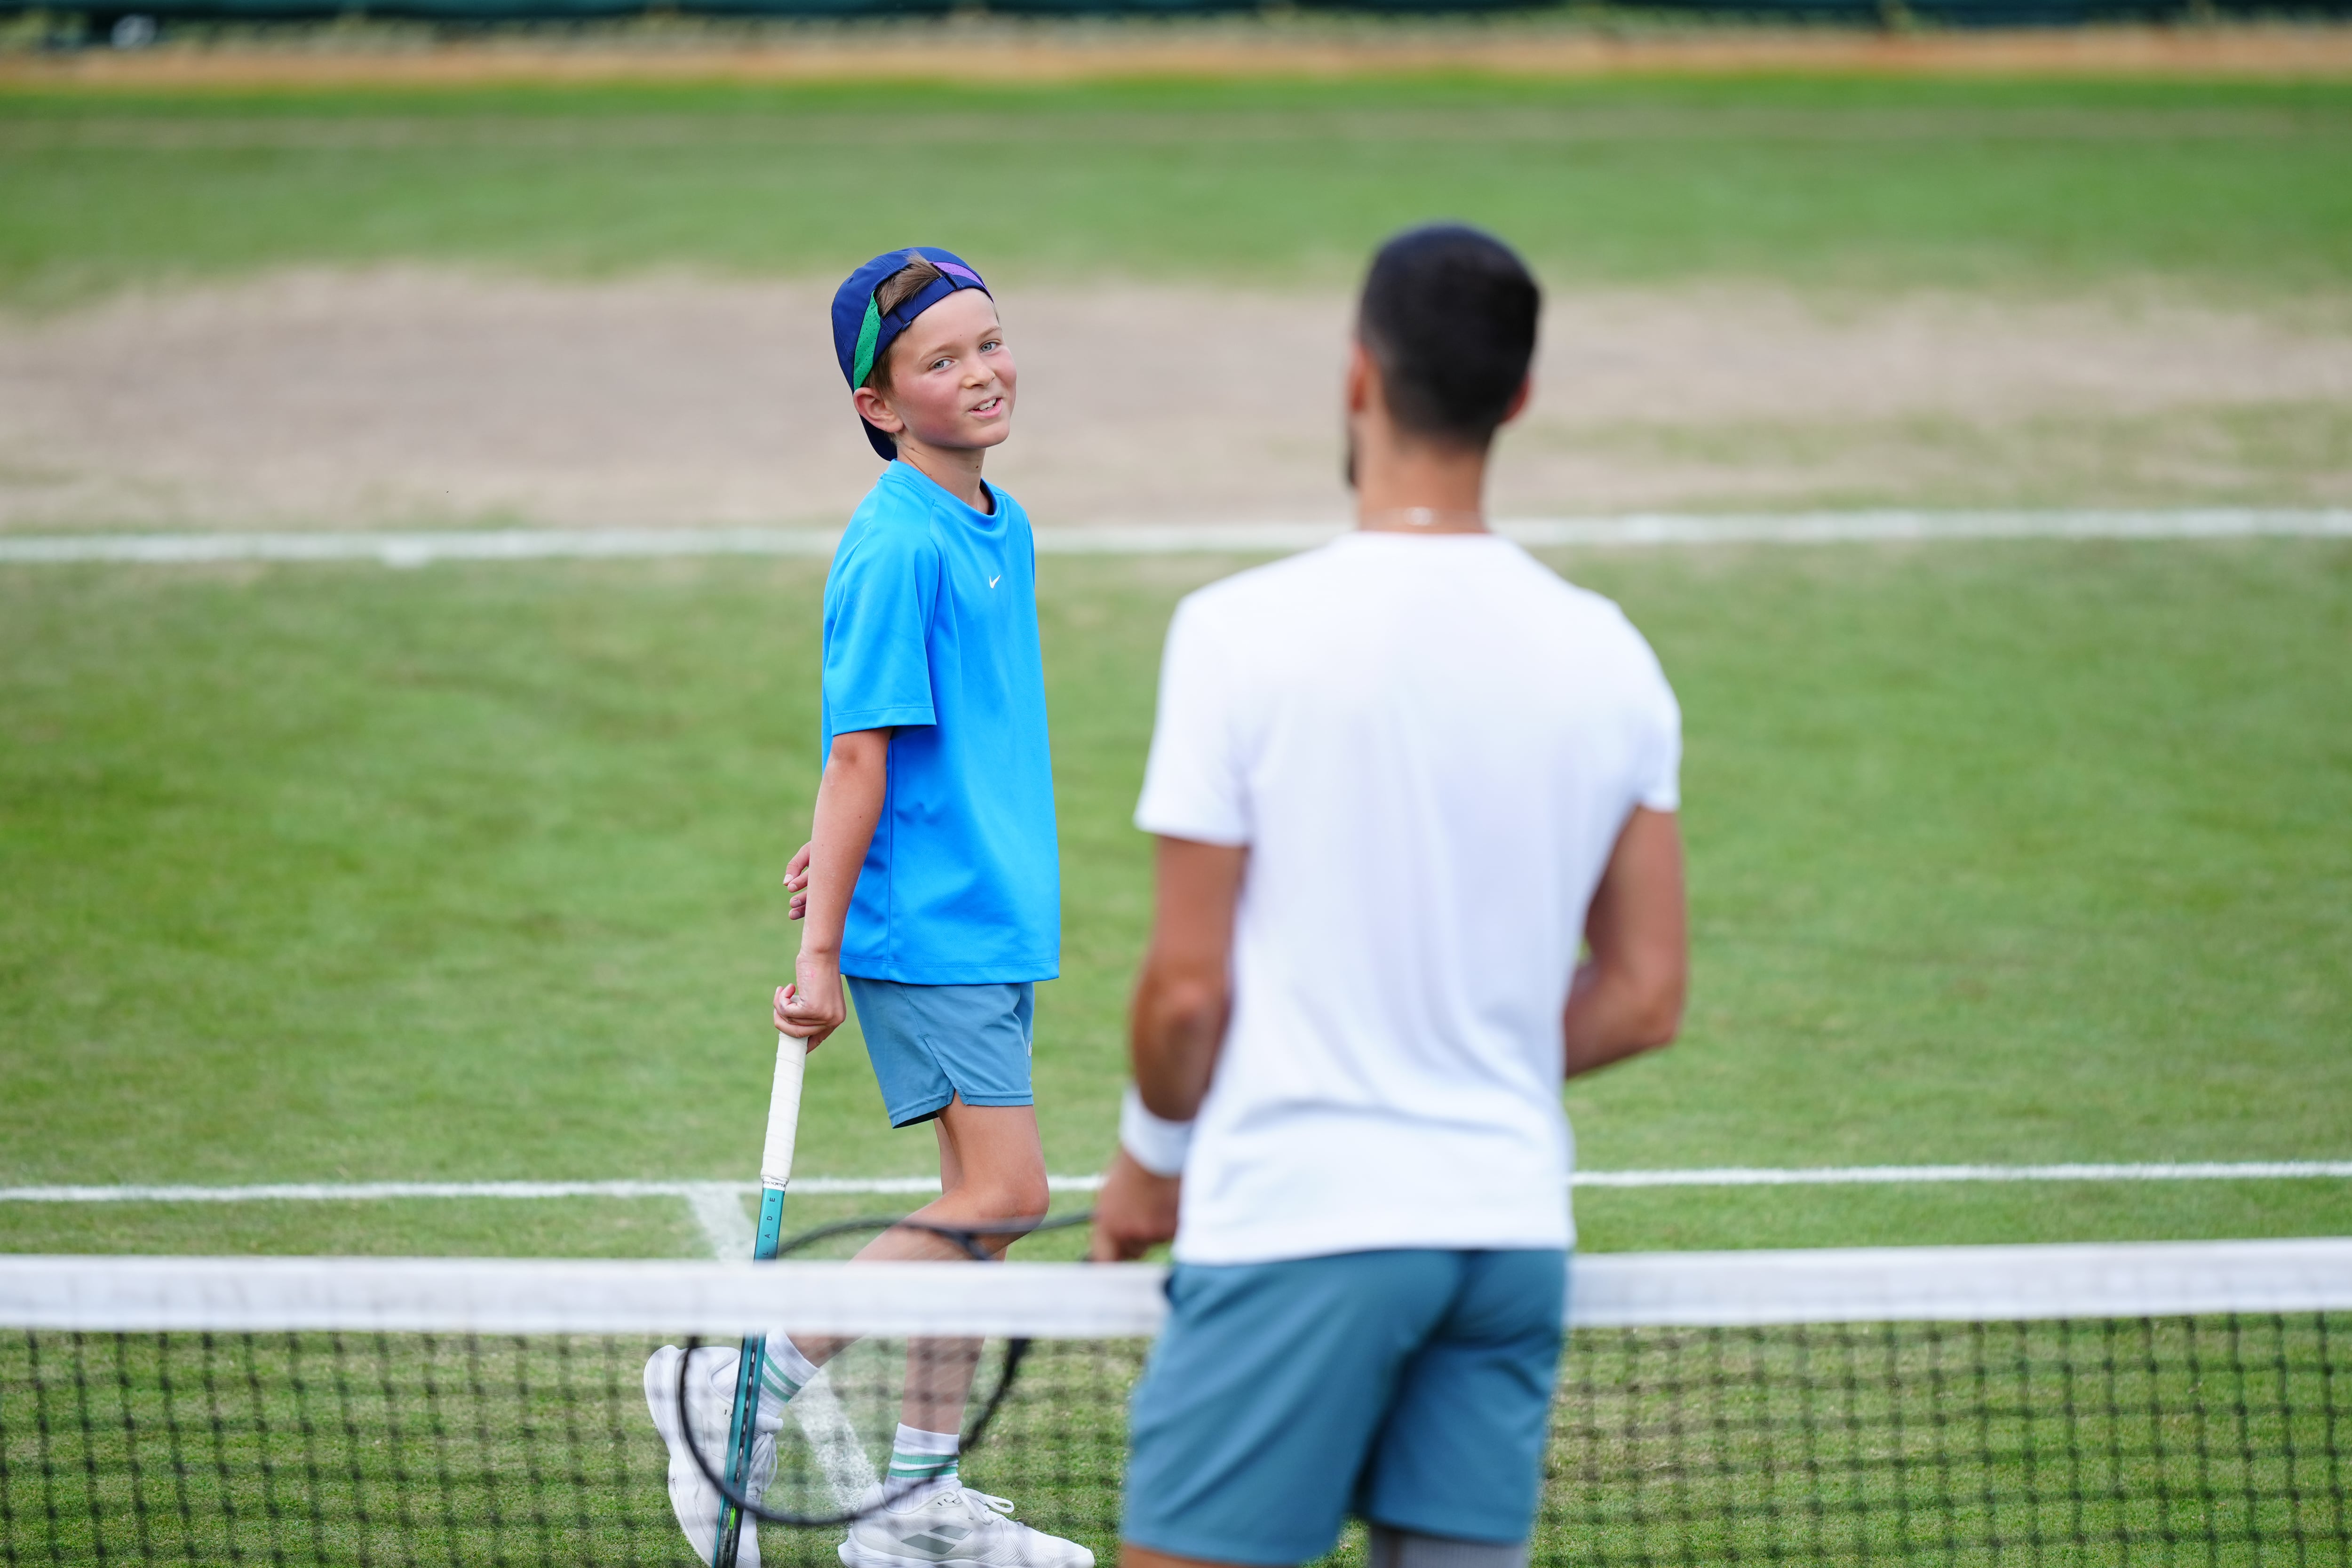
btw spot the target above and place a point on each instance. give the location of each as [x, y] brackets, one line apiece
[783, 1112]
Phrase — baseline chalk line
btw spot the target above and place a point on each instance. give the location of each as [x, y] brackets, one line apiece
[819, 1186]
[411, 549]
[1896, 1176]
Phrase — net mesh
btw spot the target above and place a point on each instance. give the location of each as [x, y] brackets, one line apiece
[2106, 1437]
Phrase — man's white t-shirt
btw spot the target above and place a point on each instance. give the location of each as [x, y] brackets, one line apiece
[1430, 745]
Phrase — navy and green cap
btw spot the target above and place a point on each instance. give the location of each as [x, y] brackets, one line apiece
[863, 333]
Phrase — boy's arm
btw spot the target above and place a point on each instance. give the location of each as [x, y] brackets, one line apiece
[848, 804]
[1627, 997]
[1181, 1001]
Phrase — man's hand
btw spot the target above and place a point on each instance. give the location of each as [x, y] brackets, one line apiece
[811, 1007]
[796, 878]
[1135, 1212]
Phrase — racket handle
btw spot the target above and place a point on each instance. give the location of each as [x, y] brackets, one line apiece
[784, 1113]
[775, 1173]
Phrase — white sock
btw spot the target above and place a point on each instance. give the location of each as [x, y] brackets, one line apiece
[783, 1371]
[922, 1464]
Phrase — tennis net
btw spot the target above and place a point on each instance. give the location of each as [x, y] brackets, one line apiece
[2062, 1404]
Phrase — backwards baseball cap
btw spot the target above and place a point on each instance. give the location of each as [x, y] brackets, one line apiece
[863, 331]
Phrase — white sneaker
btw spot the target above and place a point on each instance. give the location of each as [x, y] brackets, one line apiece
[954, 1527]
[710, 1406]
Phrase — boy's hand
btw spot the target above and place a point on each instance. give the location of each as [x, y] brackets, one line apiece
[796, 878]
[1135, 1212]
[811, 1008]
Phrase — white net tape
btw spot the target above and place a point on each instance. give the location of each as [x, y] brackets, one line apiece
[1071, 1300]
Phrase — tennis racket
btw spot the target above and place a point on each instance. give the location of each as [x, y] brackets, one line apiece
[775, 1175]
[823, 1468]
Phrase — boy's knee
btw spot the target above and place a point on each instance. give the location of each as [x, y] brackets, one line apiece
[1025, 1202]
[1011, 1202]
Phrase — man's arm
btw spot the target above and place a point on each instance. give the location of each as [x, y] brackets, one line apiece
[1177, 1023]
[1185, 991]
[848, 804]
[1627, 997]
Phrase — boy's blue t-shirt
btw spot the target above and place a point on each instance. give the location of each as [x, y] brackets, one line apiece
[930, 627]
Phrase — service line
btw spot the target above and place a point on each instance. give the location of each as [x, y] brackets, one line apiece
[412, 549]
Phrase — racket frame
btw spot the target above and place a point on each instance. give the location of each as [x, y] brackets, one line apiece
[972, 1240]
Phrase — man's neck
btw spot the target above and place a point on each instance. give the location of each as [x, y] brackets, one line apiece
[1420, 489]
[953, 470]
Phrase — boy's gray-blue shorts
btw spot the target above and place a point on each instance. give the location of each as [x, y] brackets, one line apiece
[931, 1043]
[1413, 1388]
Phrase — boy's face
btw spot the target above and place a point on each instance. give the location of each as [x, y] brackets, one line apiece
[952, 378]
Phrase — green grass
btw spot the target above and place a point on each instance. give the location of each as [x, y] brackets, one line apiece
[424, 1228]
[1999, 852]
[1823, 183]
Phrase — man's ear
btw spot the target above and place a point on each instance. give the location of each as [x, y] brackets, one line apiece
[1362, 373]
[1519, 398]
[872, 408]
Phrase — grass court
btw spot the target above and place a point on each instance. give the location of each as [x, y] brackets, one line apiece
[2006, 853]
[2015, 852]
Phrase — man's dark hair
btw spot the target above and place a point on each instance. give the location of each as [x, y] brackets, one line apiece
[1449, 316]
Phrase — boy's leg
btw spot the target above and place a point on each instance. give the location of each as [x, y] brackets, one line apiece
[992, 1178]
[958, 1056]
[992, 1174]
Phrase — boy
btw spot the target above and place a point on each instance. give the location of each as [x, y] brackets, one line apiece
[1396, 782]
[931, 880]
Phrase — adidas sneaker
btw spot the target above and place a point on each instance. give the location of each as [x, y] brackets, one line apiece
[709, 1405]
[953, 1527]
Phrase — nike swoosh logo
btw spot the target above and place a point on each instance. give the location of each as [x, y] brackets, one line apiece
[994, 581]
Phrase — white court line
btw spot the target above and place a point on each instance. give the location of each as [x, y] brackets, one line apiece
[695, 1193]
[364, 1191]
[706, 1191]
[727, 1227]
[1896, 1175]
[422, 549]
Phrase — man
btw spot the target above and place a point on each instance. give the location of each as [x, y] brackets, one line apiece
[1397, 782]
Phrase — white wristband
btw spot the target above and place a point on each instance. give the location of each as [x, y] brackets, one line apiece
[1151, 1142]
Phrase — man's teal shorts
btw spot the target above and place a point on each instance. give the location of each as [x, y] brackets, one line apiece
[1413, 1388]
[931, 1043]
